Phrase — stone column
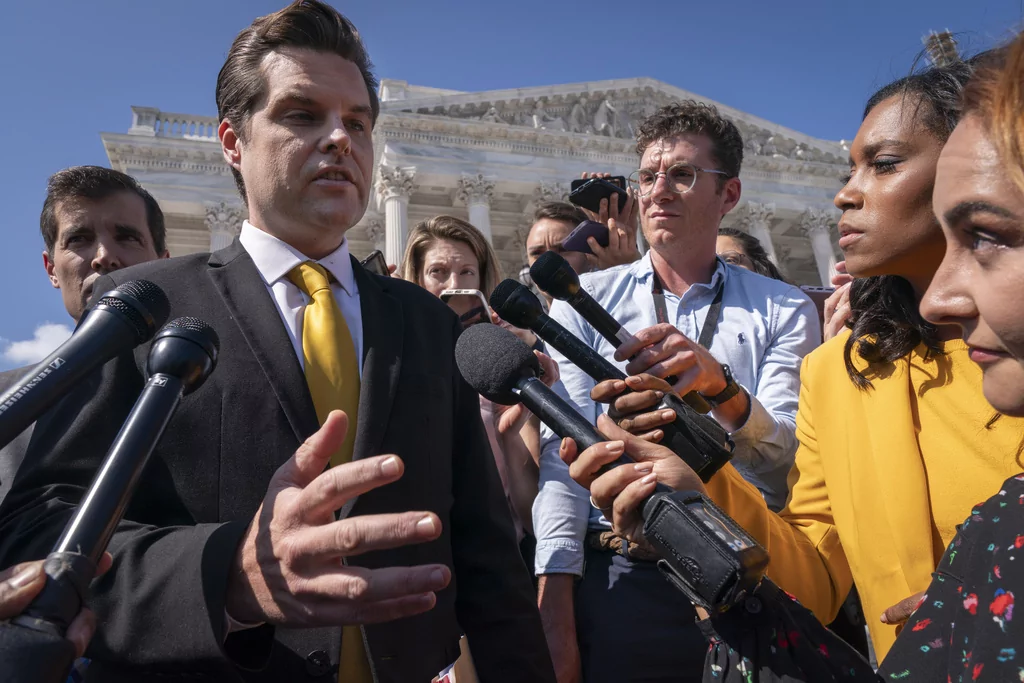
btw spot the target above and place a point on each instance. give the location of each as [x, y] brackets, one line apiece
[224, 221]
[475, 191]
[758, 222]
[817, 224]
[395, 187]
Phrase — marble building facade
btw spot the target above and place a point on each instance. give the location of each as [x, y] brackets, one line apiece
[489, 157]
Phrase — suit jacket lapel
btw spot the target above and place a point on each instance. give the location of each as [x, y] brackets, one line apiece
[900, 472]
[383, 336]
[244, 293]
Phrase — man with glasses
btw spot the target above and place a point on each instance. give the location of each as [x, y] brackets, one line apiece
[734, 336]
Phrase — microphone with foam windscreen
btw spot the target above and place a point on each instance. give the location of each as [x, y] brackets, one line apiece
[554, 275]
[32, 645]
[121, 320]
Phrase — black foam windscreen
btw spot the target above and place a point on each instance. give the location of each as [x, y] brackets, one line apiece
[492, 360]
[502, 292]
[554, 275]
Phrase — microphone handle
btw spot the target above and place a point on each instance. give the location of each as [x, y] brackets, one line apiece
[609, 328]
[564, 420]
[553, 411]
[71, 565]
[102, 335]
[581, 355]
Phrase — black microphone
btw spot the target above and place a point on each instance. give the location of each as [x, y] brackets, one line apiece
[122, 319]
[518, 306]
[181, 357]
[554, 275]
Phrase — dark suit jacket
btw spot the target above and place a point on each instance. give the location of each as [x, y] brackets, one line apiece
[12, 454]
[161, 608]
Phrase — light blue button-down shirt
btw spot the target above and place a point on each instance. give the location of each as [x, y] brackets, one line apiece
[765, 329]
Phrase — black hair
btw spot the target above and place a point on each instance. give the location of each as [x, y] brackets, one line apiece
[96, 182]
[884, 315]
[754, 250]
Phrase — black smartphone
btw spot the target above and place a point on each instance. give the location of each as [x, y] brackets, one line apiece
[588, 192]
[375, 263]
[577, 239]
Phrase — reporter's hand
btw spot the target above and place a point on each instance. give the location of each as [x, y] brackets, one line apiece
[662, 351]
[289, 568]
[619, 492]
[633, 410]
[622, 227]
[525, 336]
[511, 419]
[20, 584]
[901, 611]
[836, 310]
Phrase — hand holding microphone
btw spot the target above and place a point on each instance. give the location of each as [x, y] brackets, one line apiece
[554, 275]
[704, 553]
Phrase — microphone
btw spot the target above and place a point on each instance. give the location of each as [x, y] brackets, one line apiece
[503, 369]
[518, 306]
[122, 319]
[554, 275]
[181, 357]
[704, 552]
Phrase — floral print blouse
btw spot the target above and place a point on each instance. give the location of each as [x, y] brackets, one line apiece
[965, 629]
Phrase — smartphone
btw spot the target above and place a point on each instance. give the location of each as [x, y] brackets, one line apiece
[818, 295]
[577, 239]
[375, 263]
[588, 192]
[470, 304]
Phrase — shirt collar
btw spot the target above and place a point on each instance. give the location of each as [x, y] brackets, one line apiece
[643, 271]
[274, 258]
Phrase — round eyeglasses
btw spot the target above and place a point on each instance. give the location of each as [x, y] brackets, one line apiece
[680, 177]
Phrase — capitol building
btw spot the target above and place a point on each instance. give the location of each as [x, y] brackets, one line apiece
[489, 157]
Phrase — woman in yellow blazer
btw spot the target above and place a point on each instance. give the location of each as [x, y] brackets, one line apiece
[896, 439]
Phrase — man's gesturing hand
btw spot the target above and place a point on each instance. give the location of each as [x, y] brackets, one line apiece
[289, 568]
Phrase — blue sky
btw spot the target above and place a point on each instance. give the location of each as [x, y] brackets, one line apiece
[70, 69]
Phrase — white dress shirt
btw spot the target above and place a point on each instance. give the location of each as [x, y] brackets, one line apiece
[274, 259]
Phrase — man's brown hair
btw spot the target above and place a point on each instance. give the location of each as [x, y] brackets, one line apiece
[96, 182]
[690, 116]
[560, 211]
[310, 24]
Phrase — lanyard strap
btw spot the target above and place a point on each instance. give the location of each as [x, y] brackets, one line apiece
[707, 331]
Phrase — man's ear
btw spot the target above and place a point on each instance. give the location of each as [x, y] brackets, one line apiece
[166, 254]
[49, 265]
[230, 145]
[731, 195]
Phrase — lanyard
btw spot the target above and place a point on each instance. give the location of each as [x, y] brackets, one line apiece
[707, 331]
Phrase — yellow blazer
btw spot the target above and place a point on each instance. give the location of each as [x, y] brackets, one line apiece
[858, 507]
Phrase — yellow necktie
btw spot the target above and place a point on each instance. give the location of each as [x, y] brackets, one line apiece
[332, 374]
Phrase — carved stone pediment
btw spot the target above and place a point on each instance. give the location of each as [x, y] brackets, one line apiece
[609, 109]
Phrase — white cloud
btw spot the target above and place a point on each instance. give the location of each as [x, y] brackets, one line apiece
[46, 338]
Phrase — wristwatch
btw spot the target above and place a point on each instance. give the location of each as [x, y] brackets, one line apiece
[731, 389]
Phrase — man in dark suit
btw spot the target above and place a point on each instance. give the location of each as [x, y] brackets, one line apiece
[230, 564]
[94, 221]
